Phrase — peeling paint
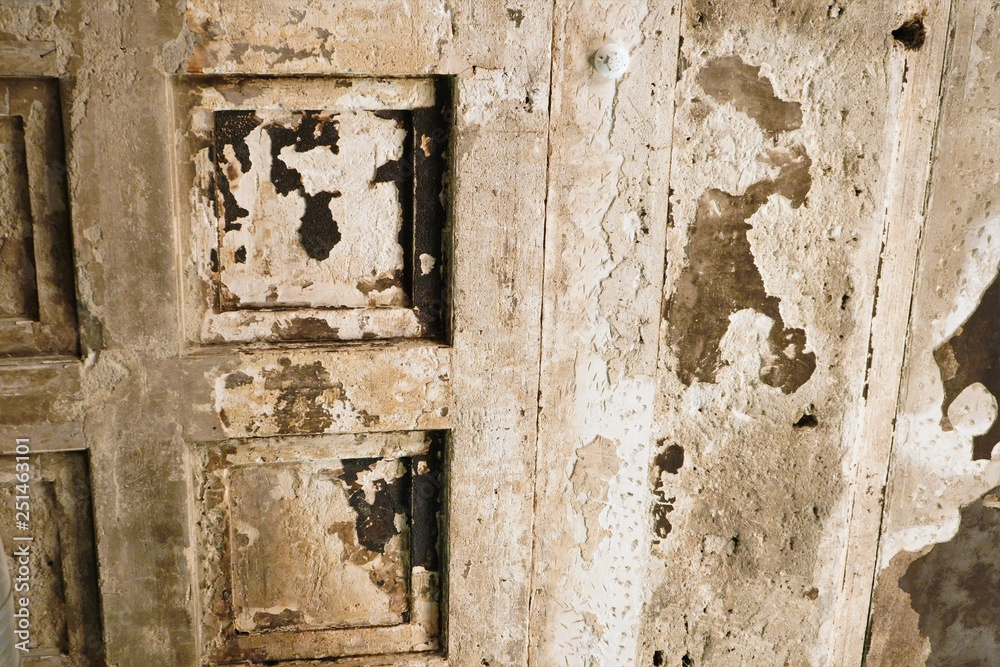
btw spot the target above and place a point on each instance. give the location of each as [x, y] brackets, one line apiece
[305, 203]
[955, 585]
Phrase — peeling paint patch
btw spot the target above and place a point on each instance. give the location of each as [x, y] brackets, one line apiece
[722, 278]
[596, 463]
[955, 587]
[403, 387]
[311, 204]
[378, 495]
[346, 519]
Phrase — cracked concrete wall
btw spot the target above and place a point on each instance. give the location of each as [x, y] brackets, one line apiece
[670, 361]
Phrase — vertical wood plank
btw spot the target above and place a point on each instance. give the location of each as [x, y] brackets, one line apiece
[605, 233]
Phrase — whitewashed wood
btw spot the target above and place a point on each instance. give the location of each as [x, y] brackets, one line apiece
[916, 104]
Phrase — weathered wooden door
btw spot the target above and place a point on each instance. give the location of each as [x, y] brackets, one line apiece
[390, 333]
[306, 263]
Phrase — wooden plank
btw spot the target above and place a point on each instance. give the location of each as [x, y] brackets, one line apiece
[497, 233]
[941, 493]
[917, 78]
[782, 141]
[28, 58]
[606, 223]
[405, 386]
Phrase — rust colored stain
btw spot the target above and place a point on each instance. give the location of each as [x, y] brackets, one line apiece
[730, 80]
[721, 279]
[955, 587]
[970, 356]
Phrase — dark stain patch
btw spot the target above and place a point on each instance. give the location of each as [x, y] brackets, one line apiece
[376, 522]
[300, 406]
[266, 621]
[972, 355]
[658, 659]
[240, 255]
[670, 461]
[306, 328]
[911, 34]
[722, 278]
[231, 129]
[380, 283]
[427, 490]
[515, 15]
[368, 419]
[237, 379]
[730, 80]
[319, 232]
[955, 586]
[806, 421]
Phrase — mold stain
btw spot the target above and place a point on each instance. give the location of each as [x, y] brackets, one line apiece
[232, 129]
[971, 356]
[955, 586]
[721, 278]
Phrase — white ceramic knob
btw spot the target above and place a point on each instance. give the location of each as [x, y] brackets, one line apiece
[611, 61]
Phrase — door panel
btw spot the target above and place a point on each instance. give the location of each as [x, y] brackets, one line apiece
[301, 274]
[338, 332]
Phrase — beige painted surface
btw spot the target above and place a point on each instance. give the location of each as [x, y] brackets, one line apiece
[698, 324]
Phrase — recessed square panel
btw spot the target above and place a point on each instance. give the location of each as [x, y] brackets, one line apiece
[311, 207]
[317, 207]
[320, 544]
[56, 530]
[321, 547]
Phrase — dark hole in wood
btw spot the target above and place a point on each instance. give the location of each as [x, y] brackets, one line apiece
[911, 34]
[657, 658]
[806, 421]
